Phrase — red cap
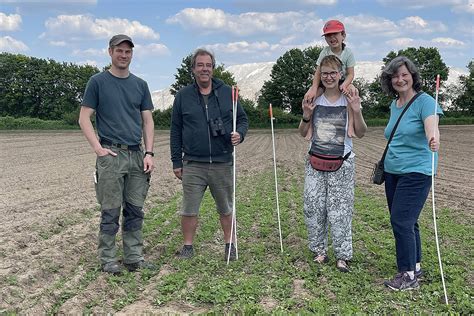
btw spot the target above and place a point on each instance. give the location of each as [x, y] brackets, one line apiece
[333, 26]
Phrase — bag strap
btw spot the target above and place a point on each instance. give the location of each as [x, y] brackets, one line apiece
[398, 121]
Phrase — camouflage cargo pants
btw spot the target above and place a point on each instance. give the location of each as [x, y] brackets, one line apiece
[329, 201]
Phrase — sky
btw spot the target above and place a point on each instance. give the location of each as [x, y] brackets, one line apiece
[237, 31]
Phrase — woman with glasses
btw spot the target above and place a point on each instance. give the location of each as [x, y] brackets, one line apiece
[329, 171]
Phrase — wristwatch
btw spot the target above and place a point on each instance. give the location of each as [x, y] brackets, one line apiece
[150, 153]
[305, 119]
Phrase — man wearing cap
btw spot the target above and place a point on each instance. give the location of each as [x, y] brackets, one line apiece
[123, 105]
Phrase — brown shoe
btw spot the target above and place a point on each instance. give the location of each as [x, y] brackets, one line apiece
[342, 265]
[321, 259]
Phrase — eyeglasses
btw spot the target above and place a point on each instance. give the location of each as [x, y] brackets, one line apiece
[333, 74]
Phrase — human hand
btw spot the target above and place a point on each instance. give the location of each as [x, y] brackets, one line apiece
[354, 100]
[101, 152]
[347, 89]
[308, 108]
[310, 94]
[235, 138]
[148, 164]
[178, 172]
[433, 144]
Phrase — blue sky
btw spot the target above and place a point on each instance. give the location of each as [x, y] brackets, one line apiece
[238, 31]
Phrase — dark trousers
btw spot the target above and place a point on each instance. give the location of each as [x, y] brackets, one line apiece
[406, 195]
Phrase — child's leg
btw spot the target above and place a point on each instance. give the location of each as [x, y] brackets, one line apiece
[350, 123]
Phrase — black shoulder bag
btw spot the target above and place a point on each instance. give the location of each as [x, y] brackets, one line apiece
[378, 176]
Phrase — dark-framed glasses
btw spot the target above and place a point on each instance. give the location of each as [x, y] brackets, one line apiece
[331, 74]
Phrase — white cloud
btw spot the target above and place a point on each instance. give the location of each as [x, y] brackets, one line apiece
[420, 4]
[242, 47]
[401, 42]
[447, 42]
[319, 2]
[413, 21]
[210, 20]
[370, 25]
[10, 22]
[416, 24]
[466, 7]
[51, 1]
[58, 43]
[153, 49]
[75, 27]
[457, 6]
[10, 45]
[90, 52]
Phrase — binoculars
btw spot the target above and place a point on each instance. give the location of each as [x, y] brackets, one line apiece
[217, 127]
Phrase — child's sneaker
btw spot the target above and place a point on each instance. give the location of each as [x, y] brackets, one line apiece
[402, 282]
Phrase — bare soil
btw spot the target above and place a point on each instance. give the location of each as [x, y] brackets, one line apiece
[50, 217]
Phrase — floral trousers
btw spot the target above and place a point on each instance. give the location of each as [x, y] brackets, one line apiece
[329, 203]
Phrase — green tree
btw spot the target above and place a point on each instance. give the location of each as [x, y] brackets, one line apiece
[464, 103]
[429, 63]
[291, 77]
[185, 76]
[40, 88]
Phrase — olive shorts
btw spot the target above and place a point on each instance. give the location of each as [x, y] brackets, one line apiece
[121, 178]
[197, 176]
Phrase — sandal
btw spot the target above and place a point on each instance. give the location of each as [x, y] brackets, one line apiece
[342, 265]
[321, 259]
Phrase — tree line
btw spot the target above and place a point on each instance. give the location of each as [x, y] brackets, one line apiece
[49, 90]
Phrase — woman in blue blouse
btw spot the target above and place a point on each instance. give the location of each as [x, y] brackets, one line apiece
[408, 165]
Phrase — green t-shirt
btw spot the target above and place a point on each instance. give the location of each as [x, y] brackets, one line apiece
[346, 57]
[118, 103]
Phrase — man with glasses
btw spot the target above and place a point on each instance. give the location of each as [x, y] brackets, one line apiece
[201, 141]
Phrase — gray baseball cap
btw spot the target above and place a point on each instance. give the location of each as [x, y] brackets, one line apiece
[119, 38]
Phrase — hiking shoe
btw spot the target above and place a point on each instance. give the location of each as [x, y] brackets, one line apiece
[342, 265]
[402, 282]
[233, 253]
[321, 259]
[187, 252]
[112, 268]
[140, 265]
[419, 273]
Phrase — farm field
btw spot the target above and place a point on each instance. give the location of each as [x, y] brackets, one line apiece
[50, 223]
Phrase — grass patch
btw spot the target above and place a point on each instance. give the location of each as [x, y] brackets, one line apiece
[31, 123]
[265, 280]
[290, 279]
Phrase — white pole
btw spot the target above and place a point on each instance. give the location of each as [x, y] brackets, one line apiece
[433, 195]
[275, 172]
[235, 96]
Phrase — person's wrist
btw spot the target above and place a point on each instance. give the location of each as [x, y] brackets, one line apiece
[305, 119]
[150, 153]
